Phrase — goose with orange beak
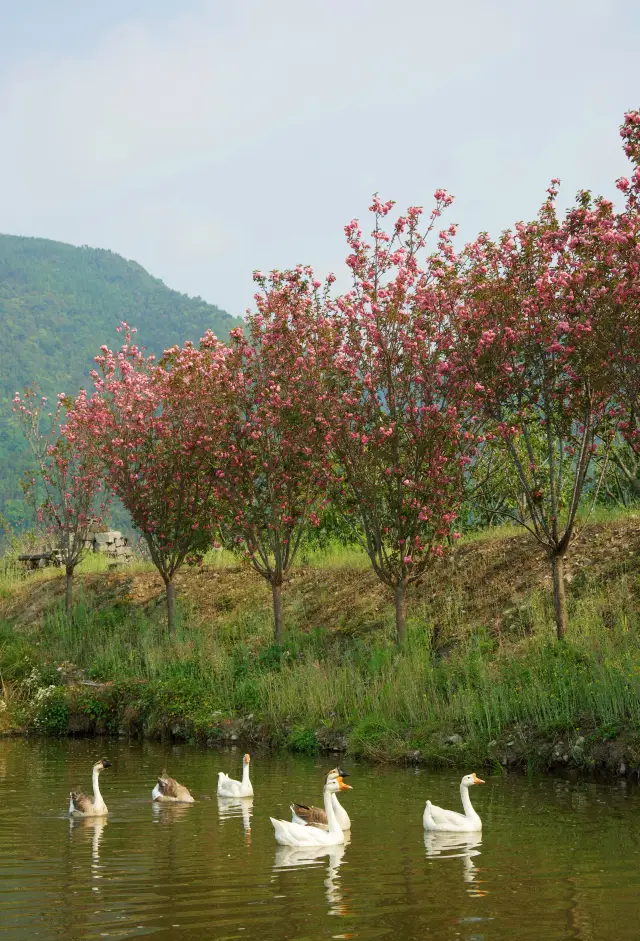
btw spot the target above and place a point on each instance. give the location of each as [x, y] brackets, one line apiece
[229, 787]
[288, 833]
[451, 821]
[315, 816]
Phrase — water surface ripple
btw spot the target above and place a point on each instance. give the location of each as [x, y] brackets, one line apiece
[557, 858]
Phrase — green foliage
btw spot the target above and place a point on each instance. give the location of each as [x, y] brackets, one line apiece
[303, 740]
[51, 711]
[334, 529]
[17, 654]
[94, 705]
[377, 737]
[320, 685]
[58, 304]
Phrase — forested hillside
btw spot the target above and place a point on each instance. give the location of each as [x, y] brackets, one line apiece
[58, 304]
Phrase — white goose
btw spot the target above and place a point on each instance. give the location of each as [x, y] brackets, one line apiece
[296, 834]
[450, 821]
[229, 787]
[316, 816]
[81, 805]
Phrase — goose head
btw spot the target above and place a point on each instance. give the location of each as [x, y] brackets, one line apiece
[334, 783]
[101, 765]
[246, 759]
[470, 779]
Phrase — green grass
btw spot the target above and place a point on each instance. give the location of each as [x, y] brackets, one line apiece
[13, 573]
[600, 514]
[606, 514]
[503, 531]
[335, 556]
[384, 700]
[484, 682]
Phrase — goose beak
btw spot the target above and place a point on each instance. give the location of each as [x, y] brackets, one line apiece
[106, 763]
[477, 780]
[343, 786]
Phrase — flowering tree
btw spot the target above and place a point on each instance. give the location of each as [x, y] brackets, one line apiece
[271, 471]
[68, 479]
[624, 334]
[135, 425]
[397, 433]
[529, 338]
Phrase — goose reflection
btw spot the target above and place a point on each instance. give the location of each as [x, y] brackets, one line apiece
[462, 846]
[90, 828]
[295, 857]
[168, 813]
[237, 807]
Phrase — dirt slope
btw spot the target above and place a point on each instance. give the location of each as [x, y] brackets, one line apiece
[483, 583]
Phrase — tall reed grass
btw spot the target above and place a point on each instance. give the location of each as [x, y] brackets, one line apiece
[484, 684]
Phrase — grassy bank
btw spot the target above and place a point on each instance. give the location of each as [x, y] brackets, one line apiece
[482, 678]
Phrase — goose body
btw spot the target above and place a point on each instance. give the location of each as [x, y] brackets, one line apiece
[316, 816]
[451, 821]
[297, 834]
[81, 805]
[168, 789]
[229, 787]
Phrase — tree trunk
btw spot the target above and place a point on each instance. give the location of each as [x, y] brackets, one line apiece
[276, 591]
[68, 598]
[171, 605]
[401, 627]
[559, 597]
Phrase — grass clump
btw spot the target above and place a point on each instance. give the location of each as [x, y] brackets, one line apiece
[385, 701]
[471, 673]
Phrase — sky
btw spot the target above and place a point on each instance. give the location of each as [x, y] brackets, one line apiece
[205, 139]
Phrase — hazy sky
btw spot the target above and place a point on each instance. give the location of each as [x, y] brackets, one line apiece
[205, 138]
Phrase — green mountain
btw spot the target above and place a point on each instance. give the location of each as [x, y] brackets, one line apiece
[58, 304]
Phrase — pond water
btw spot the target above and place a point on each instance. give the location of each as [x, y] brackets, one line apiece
[558, 859]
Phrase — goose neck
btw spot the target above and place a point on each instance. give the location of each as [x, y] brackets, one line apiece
[97, 796]
[334, 826]
[466, 801]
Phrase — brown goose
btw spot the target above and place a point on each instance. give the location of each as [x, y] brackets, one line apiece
[168, 789]
[81, 805]
[316, 816]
